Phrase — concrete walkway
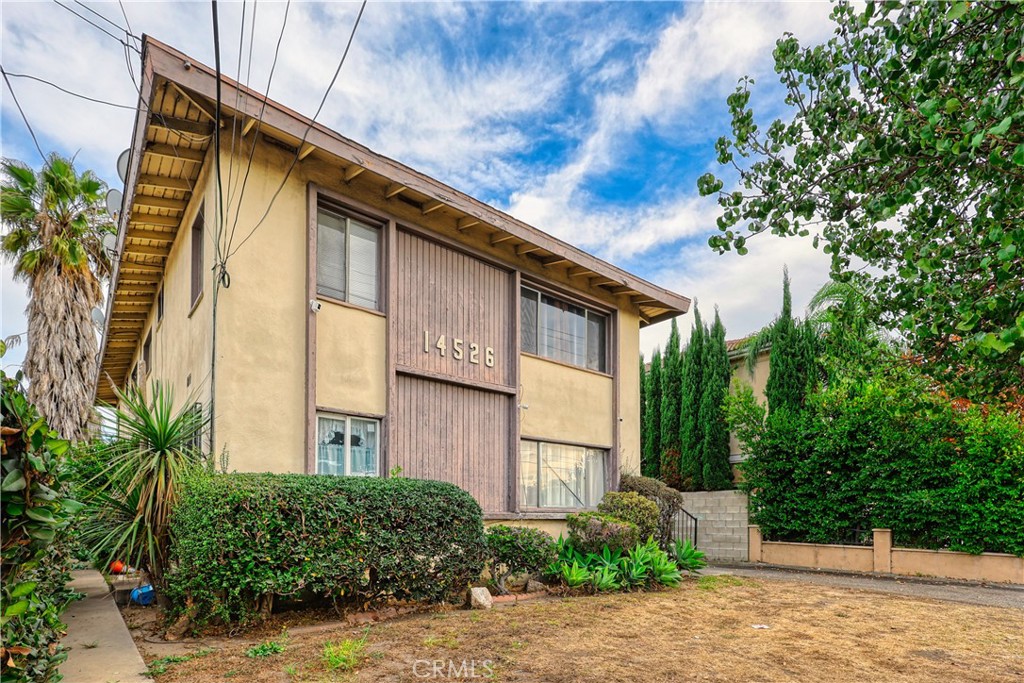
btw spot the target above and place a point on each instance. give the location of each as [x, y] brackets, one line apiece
[988, 595]
[102, 649]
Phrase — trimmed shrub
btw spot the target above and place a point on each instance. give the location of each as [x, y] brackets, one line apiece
[590, 532]
[632, 507]
[240, 540]
[517, 550]
[668, 500]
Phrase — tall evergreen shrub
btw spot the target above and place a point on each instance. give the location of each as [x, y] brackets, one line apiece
[716, 474]
[790, 357]
[647, 458]
[690, 433]
[671, 380]
[652, 427]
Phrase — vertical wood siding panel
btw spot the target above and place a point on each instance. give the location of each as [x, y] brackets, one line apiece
[445, 430]
[464, 443]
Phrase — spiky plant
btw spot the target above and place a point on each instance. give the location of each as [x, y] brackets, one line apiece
[54, 222]
[156, 450]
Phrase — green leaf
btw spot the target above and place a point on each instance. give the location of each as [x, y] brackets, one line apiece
[41, 514]
[1001, 127]
[16, 609]
[24, 588]
[952, 105]
[956, 11]
[14, 481]
[991, 341]
[1018, 155]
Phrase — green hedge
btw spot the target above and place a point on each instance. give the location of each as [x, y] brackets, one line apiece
[885, 453]
[240, 540]
[35, 567]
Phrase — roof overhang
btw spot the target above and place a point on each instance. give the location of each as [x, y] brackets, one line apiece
[169, 146]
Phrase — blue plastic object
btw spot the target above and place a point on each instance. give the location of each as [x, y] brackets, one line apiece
[144, 595]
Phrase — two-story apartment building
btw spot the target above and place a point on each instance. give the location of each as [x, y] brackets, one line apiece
[370, 318]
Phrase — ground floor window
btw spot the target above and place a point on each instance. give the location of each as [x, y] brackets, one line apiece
[553, 475]
[347, 445]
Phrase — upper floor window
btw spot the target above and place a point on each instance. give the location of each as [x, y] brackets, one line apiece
[347, 445]
[347, 258]
[562, 331]
[197, 256]
[147, 354]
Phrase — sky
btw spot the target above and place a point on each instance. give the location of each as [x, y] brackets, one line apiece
[589, 120]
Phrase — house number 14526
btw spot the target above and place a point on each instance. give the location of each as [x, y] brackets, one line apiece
[458, 349]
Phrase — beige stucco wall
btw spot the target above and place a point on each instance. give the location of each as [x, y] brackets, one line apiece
[181, 341]
[757, 380]
[629, 392]
[562, 403]
[351, 369]
[261, 343]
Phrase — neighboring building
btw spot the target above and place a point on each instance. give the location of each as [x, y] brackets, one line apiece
[757, 378]
[375, 318]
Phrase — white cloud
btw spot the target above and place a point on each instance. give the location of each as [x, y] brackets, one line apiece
[746, 289]
[696, 62]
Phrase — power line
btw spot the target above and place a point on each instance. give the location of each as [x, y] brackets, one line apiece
[124, 13]
[95, 25]
[69, 92]
[23, 117]
[234, 119]
[112, 23]
[259, 121]
[298, 149]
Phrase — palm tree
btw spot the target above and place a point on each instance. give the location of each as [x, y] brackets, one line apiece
[55, 221]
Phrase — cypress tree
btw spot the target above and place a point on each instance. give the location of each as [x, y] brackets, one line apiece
[791, 357]
[714, 446]
[670, 388]
[652, 425]
[690, 434]
[645, 441]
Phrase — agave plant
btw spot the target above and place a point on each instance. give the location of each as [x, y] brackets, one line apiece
[687, 557]
[156, 450]
[574, 575]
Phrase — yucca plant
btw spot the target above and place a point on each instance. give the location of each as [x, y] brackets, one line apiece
[156, 450]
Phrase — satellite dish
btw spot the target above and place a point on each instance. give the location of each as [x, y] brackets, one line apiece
[122, 165]
[110, 242]
[98, 317]
[114, 199]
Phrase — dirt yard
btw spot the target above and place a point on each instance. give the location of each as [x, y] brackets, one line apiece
[708, 630]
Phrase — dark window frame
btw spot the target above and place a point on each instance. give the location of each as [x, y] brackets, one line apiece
[538, 294]
[198, 248]
[147, 353]
[324, 204]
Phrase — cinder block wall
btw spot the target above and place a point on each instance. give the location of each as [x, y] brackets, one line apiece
[721, 523]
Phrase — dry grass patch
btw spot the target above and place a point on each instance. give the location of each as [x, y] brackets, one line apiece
[700, 632]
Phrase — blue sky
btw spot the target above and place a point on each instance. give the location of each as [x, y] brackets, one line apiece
[589, 120]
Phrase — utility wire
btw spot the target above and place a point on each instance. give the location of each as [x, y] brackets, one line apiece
[259, 121]
[124, 13]
[23, 117]
[95, 25]
[112, 23]
[238, 94]
[221, 276]
[309, 127]
[69, 92]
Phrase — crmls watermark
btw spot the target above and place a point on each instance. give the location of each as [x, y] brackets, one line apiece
[448, 668]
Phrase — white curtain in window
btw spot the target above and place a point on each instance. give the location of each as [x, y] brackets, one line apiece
[363, 448]
[528, 474]
[330, 446]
